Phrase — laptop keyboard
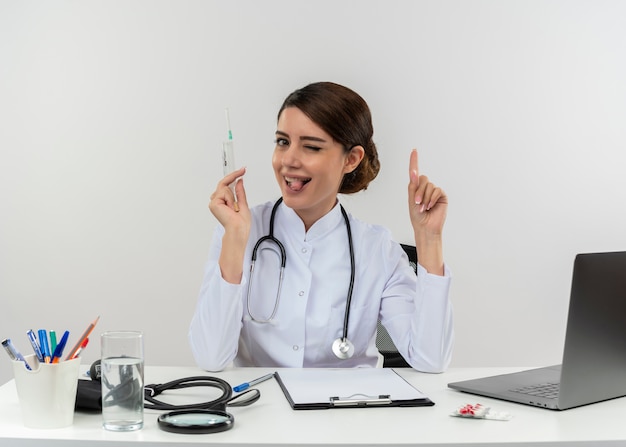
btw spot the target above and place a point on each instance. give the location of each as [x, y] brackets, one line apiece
[545, 390]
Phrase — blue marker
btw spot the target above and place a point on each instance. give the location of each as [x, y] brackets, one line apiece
[36, 348]
[58, 352]
[244, 386]
[14, 353]
[45, 347]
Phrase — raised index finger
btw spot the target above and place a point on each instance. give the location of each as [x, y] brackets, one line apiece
[414, 173]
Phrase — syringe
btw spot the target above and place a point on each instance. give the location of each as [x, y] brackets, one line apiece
[228, 157]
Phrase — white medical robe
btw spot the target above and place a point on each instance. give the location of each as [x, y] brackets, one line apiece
[416, 311]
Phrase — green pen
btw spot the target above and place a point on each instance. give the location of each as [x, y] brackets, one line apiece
[53, 341]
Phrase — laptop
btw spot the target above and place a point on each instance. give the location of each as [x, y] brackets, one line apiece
[593, 368]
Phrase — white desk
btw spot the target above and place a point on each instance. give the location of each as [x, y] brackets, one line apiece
[271, 421]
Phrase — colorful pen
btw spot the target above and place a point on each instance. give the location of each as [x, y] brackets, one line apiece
[58, 352]
[82, 338]
[45, 347]
[36, 347]
[14, 353]
[244, 386]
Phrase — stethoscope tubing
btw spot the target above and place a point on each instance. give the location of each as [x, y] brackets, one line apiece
[283, 261]
[342, 346]
[346, 317]
[226, 398]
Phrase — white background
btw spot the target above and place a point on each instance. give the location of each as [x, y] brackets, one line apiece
[112, 117]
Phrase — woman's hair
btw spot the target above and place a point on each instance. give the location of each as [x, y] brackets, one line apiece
[346, 117]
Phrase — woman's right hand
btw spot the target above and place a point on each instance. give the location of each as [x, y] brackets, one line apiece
[227, 209]
[236, 219]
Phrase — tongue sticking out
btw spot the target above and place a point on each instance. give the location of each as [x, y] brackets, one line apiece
[296, 185]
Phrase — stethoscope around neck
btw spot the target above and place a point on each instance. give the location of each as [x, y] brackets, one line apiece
[342, 347]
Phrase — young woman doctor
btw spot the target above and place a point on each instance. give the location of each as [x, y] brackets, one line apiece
[323, 147]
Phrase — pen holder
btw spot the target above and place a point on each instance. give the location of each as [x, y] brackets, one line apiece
[47, 393]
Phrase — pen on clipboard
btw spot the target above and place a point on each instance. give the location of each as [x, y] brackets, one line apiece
[228, 157]
[82, 338]
[244, 386]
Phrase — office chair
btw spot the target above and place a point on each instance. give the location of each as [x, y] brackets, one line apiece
[391, 357]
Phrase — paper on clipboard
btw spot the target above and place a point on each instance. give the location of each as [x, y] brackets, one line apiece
[318, 388]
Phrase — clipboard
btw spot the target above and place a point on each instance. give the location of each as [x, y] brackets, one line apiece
[324, 388]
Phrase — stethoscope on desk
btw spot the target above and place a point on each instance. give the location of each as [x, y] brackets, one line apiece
[194, 418]
[342, 347]
[205, 417]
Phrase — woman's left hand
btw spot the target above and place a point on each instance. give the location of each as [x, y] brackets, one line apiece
[428, 204]
[428, 207]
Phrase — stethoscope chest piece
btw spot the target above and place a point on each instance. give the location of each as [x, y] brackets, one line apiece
[196, 421]
[343, 348]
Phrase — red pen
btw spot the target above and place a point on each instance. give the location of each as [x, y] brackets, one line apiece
[79, 350]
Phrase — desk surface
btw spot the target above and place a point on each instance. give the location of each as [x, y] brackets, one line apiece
[271, 421]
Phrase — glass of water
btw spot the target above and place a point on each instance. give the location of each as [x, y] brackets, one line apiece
[122, 380]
